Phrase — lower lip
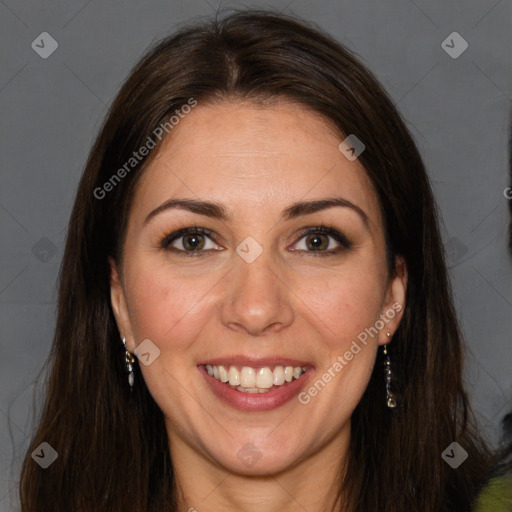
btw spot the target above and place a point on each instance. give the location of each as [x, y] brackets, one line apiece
[256, 402]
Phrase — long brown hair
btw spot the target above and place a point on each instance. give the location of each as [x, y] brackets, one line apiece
[112, 445]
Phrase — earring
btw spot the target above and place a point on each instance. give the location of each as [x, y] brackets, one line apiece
[390, 397]
[129, 360]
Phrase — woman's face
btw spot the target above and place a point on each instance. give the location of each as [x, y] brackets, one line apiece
[254, 293]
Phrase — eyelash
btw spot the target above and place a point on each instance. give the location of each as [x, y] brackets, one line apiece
[321, 229]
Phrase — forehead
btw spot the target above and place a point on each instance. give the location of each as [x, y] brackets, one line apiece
[254, 158]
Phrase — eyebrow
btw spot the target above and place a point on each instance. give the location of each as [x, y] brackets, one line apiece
[217, 211]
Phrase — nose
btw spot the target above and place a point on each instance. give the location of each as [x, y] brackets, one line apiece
[257, 297]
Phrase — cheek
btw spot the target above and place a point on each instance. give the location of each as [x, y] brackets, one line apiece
[345, 302]
[164, 305]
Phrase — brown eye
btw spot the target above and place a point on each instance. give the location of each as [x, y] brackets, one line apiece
[323, 241]
[317, 242]
[194, 241]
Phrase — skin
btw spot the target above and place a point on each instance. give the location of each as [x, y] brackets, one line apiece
[289, 302]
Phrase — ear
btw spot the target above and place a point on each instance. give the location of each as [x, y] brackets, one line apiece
[394, 302]
[119, 307]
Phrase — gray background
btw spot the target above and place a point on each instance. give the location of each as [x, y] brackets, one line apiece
[458, 111]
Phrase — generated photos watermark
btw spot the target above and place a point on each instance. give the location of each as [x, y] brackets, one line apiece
[342, 360]
[454, 455]
[45, 455]
[144, 150]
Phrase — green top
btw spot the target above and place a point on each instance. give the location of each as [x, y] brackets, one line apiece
[496, 496]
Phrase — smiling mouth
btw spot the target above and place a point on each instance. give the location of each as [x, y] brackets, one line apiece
[255, 380]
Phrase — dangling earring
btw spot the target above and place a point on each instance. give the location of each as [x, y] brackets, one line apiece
[390, 397]
[129, 360]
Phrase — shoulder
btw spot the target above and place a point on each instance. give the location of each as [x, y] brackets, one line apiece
[496, 496]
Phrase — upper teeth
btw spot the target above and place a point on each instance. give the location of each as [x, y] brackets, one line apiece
[262, 378]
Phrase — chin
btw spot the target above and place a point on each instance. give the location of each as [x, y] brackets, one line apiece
[253, 462]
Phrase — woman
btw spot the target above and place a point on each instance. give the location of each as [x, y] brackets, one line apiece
[254, 311]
